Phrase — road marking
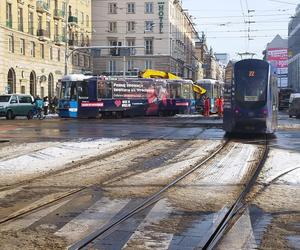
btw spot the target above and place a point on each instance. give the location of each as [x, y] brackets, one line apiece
[30, 219]
[241, 235]
[146, 238]
[91, 219]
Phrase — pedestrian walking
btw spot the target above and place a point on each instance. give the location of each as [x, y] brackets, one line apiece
[46, 105]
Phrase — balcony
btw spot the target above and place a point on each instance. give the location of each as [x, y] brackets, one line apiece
[59, 40]
[73, 20]
[9, 24]
[43, 35]
[72, 44]
[42, 7]
[59, 14]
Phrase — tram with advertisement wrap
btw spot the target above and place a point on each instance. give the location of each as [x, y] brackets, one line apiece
[92, 96]
[250, 97]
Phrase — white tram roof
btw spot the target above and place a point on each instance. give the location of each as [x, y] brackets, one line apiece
[75, 77]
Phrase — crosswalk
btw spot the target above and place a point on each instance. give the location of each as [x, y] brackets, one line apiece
[160, 226]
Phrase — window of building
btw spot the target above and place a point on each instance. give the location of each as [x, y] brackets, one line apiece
[112, 8]
[112, 27]
[32, 49]
[87, 61]
[56, 30]
[48, 28]
[40, 22]
[149, 46]
[58, 55]
[8, 15]
[149, 26]
[112, 66]
[42, 48]
[42, 92]
[22, 46]
[131, 42]
[51, 53]
[148, 64]
[30, 23]
[87, 19]
[130, 8]
[20, 19]
[130, 65]
[64, 8]
[149, 8]
[81, 60]
[22, 89]
[130, 26]
[82, 18]
[11, 44]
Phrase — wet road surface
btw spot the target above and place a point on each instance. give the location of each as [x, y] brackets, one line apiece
[264, 218]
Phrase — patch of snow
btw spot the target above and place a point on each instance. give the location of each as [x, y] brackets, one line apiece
[53, 158]
[280, 162]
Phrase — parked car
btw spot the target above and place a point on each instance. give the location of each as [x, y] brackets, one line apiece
[292, 96]
[12, 105]
[294, 109]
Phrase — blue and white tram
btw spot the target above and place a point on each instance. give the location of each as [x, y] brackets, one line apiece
[250, 98]
[75, 93]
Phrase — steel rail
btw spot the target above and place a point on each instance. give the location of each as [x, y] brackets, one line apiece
[146, 203]
[217, 234]
[23, 212]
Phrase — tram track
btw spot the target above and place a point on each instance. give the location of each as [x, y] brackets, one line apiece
[86, 161]
[72, 191]
[145, 204]
[238, 205]
[212, 238]
[76, 165]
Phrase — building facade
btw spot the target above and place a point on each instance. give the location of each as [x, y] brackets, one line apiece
[211, 68]
[35, 38]
[294, 51]
[162, 31]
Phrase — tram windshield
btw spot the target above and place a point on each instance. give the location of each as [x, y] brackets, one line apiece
[251, 85]
[74, 90]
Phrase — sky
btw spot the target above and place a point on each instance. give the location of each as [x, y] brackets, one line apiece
[226, 23]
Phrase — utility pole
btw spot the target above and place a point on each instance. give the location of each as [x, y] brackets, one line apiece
[66, 36]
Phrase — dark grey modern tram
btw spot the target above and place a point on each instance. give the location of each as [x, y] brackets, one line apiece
[250, 97]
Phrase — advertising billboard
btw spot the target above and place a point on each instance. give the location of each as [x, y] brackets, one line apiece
[278, 57]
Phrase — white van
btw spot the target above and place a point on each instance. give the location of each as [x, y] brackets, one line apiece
[292, 96]
[12, 105]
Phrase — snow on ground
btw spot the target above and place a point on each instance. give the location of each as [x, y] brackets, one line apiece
[52, 158]
[281, 162]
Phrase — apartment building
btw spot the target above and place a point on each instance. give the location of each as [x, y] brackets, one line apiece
[35, 38]
[294, 51]
[162, 31]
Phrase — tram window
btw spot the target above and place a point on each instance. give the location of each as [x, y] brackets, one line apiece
[186, 90]
[175, 90]
[104, 89]
[82, 89]
[73, 93]
[68, 91]
[251, 89]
